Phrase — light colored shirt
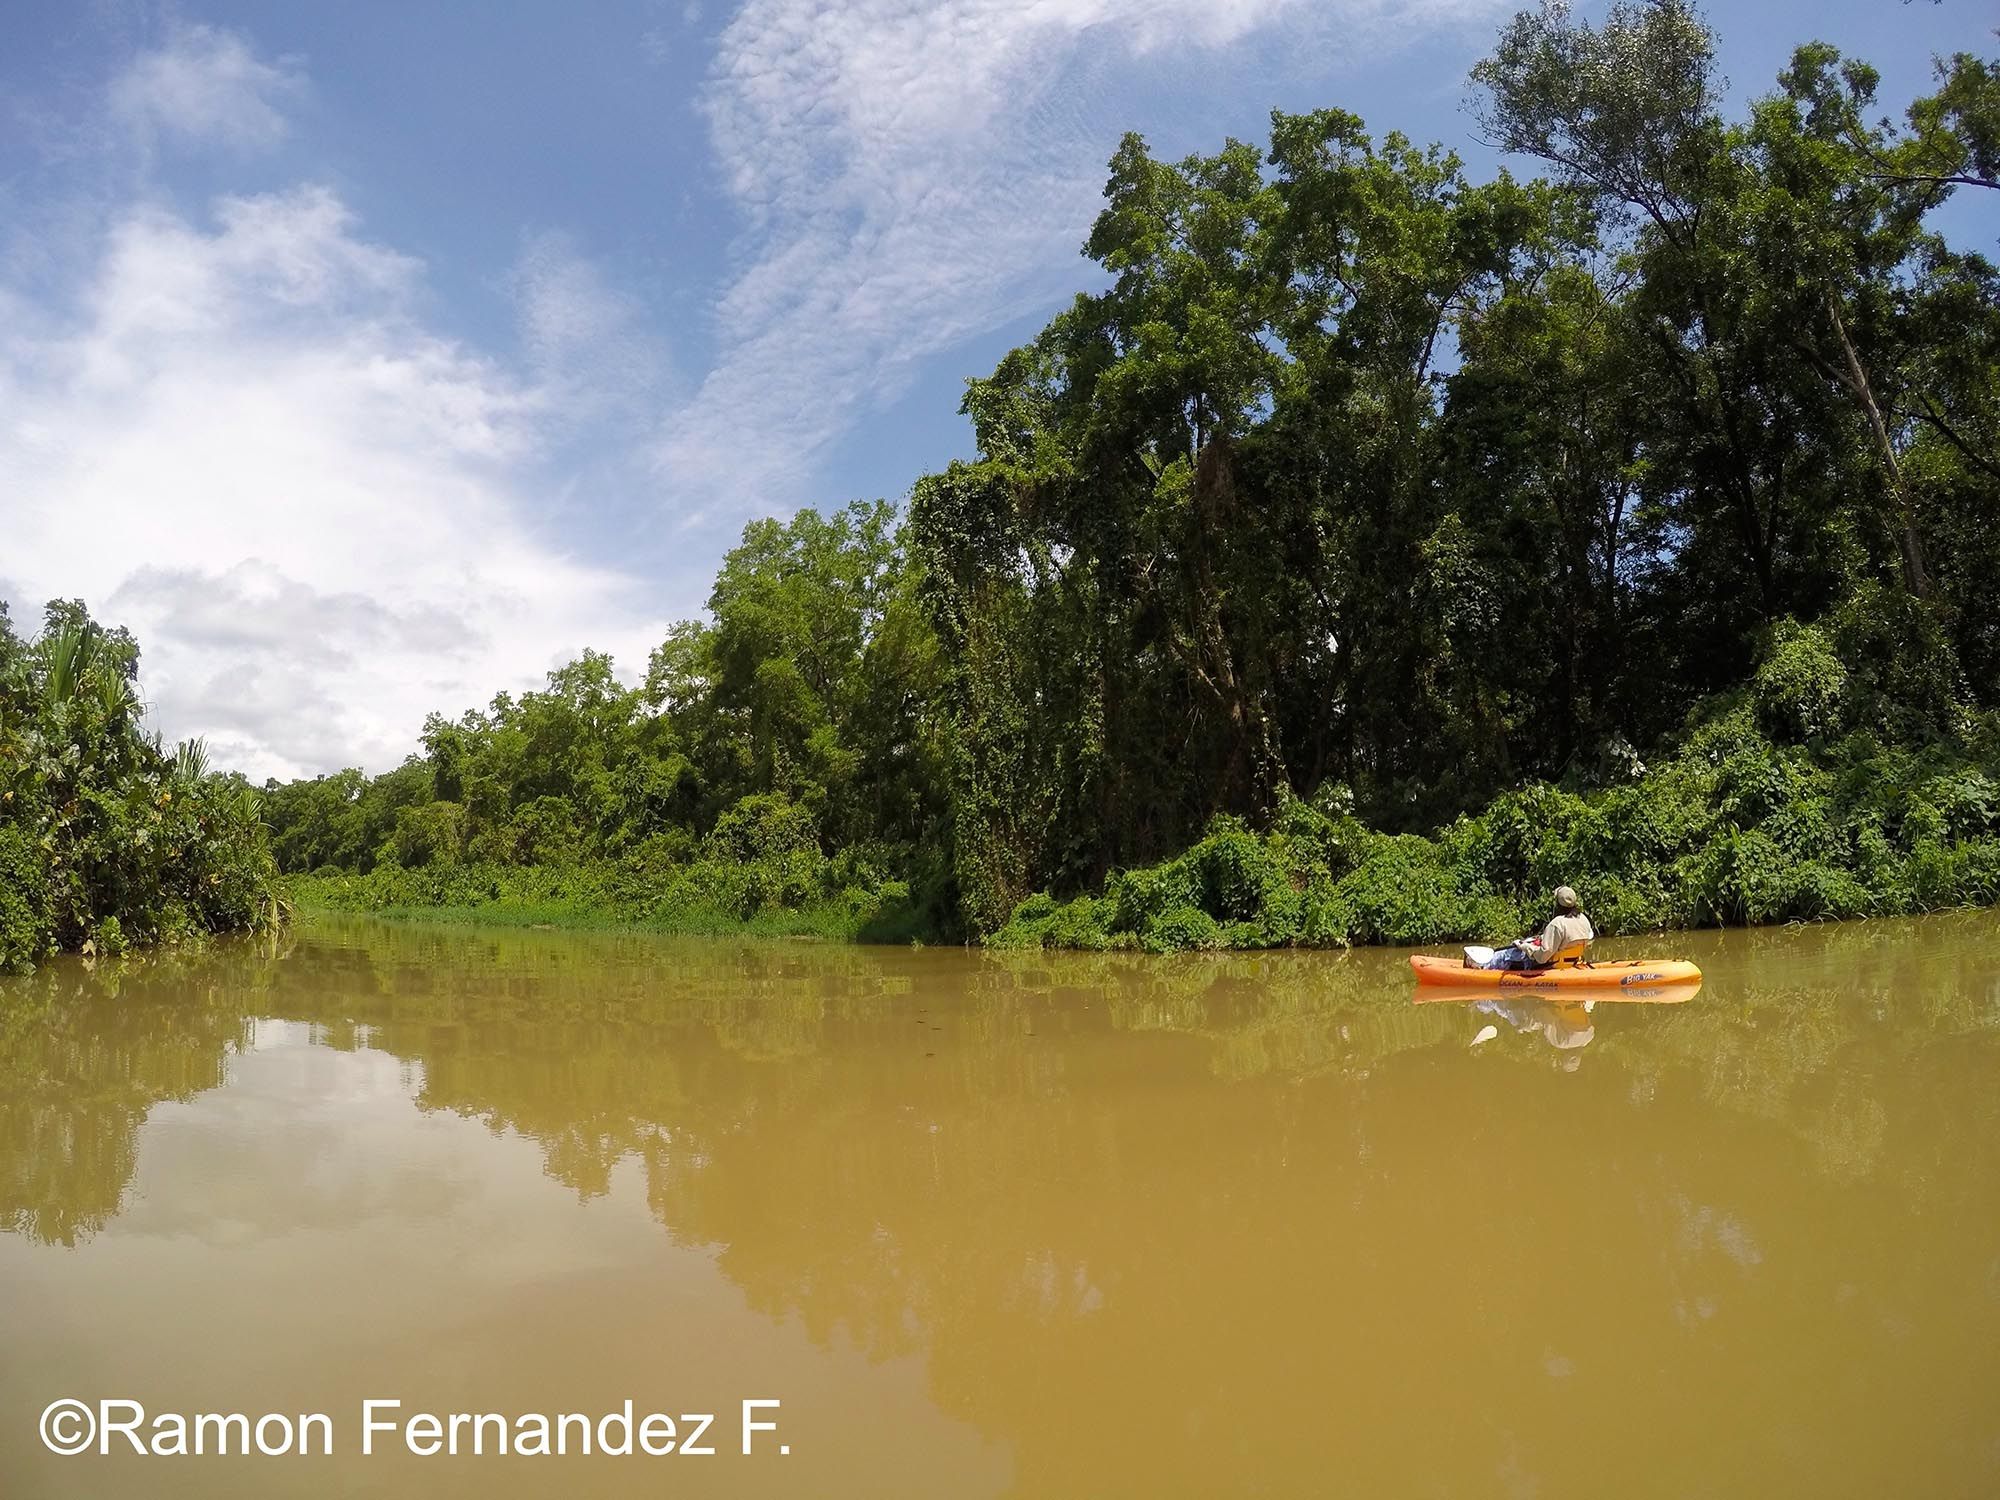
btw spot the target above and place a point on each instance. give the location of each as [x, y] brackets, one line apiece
[1564, 928]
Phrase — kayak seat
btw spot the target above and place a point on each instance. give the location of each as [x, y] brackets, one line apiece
[1570, 955]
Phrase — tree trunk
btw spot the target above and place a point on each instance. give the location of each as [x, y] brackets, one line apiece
[1256, 767]
[1916, 577]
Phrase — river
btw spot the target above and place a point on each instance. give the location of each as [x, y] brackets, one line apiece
[1008, 1225]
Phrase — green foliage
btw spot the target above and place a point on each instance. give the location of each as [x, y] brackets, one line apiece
[766, 826]
[544, 831]
[1234, 531]
[107, 938]
[433, 833]
[1737, 830]
[1620, 106]
[1906, 683]
[107, 840]
[1801, 688]
[27, 929]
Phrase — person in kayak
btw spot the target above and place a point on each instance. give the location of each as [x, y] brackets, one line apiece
[1568, 925]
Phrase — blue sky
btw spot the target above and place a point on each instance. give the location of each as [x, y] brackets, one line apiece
[369, 358]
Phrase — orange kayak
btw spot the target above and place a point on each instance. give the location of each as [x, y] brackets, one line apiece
[1621, 974]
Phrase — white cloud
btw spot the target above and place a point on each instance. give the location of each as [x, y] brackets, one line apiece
[205, 86]
[246, 446]
[920, 171]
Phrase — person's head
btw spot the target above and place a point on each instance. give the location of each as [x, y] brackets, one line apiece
[1565, 899]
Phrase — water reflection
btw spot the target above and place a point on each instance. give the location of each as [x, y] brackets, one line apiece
[1563, 1019]
[1182, 1226]
[82, 1064]
[1563, 1024]
[603, 1047]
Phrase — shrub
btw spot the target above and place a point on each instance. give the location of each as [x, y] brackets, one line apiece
[107, 938]
[430, 834]
[1182, 928]
[26, 932]
[1800, 690]
[1142, 899]
[1904, 681]
[1736, 829]
[544, 832]
[765, 826]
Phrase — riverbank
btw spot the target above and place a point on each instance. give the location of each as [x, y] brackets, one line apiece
[707, 899]
[1735, 831]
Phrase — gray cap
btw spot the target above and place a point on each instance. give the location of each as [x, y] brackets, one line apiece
[1566, 898]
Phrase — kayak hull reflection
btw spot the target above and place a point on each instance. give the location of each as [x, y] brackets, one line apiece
[1624, 975]
[1637, 994]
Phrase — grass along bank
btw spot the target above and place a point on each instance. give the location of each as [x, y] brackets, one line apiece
[800, 895]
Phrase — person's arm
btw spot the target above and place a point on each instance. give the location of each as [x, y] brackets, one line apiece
[1534, 943]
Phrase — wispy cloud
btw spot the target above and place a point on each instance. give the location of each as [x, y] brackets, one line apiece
[915, 172]
[247, 446]
[206, 86]
[587, 342]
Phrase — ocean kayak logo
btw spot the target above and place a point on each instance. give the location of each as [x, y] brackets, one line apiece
[1642, 979]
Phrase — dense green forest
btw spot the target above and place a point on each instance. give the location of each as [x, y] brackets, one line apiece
[107, 838]
[1375, 547]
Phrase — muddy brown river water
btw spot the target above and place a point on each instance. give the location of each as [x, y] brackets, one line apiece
[1002, 1225]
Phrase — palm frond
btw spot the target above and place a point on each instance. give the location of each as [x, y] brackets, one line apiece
[190, 760]
[67, 657]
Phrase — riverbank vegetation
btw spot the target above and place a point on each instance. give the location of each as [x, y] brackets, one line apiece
[775, 767]
[1373, 548]
[107, 838]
